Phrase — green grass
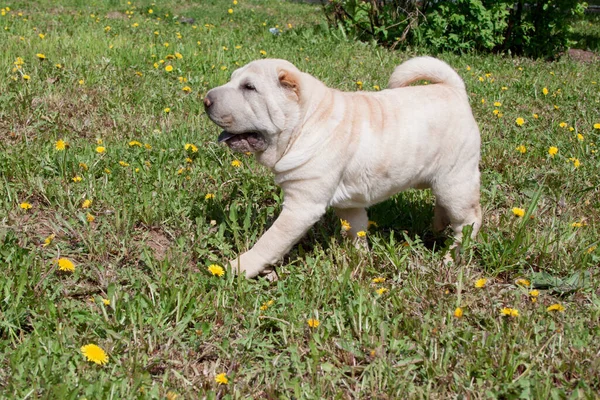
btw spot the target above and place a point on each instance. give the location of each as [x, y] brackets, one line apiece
[171, 326]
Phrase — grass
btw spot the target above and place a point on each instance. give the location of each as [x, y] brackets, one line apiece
[141, 289]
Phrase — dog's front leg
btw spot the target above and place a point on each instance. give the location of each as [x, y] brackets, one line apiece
[293, 222]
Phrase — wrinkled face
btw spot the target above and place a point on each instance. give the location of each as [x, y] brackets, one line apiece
[259, 102]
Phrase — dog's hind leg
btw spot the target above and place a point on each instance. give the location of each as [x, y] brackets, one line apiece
[458, 204]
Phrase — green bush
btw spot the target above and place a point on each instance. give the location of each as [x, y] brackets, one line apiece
[466, 25]
[536, 29]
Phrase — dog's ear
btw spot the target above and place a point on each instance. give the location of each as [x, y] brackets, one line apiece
[290, 80]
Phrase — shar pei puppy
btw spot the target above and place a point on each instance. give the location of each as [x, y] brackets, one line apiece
[350, 150]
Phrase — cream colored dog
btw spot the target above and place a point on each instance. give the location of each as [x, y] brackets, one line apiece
[351, 150]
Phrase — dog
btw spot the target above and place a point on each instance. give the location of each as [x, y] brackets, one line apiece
[350, 150]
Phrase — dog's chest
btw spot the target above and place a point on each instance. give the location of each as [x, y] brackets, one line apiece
[359, 190]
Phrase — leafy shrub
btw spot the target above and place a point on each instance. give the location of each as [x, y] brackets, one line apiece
[537, 28]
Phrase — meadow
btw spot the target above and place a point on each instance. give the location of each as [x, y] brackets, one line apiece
[117, 207]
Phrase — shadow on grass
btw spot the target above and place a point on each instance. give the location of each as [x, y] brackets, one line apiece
[408, 213]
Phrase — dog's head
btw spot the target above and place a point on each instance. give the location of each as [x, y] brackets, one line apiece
[259, 107]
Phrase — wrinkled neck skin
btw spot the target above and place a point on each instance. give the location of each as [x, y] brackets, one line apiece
[281, 157]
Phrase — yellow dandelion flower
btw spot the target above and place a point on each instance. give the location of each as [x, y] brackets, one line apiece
[545, 91]
[458, 313]
[376, 87]
[87, 203]
[209, 196]
[345, 225]
[313, 323]
[597, 126]
[150, 11]
[576, 162]
[361, 234]
[236, 163]
[90, 218]
[263, 53]
[521, 149]
[147, 146]
[482, 101]
[563, 124]
[509, 312]
[77, 178]
[577, 224]
[518, 212]
[48, 240]
[523, 282]
[534, 295]
[186, 89]
[100, 149]
[504, 88]
[535, 116]
[170, 395]
[591, 249]
[580, 137]
[106, 170]
[60, 145]
[230, 11]
[81, 81]
[266, 305]
[41, 56]
[480, 283]
[519, 121]
[25, 205]
[123, 164]
[221, 379]
[167, 110]
[95, 354]
[379, 279]
[169, 68]
[496, 112]
[41, 35]
[381, 291]
[497, 104]
[106, 302]
[64, 264]
[216, 270]
[556, 307]
[83, 166]
[553, 151]
[189, 160]
[26, 77]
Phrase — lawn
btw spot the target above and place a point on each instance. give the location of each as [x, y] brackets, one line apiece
[116, 199]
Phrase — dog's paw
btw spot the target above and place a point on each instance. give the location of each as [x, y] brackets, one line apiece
[249, 265]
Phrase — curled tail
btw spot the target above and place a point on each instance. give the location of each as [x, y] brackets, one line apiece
[425, 68]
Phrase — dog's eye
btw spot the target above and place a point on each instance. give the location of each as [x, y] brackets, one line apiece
[249, 86]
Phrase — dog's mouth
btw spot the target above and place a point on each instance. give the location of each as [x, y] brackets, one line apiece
[244, 142]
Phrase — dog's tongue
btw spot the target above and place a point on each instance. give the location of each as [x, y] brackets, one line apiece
[225, 136]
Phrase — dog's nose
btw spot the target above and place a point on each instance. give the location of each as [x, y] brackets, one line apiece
[207, 102]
